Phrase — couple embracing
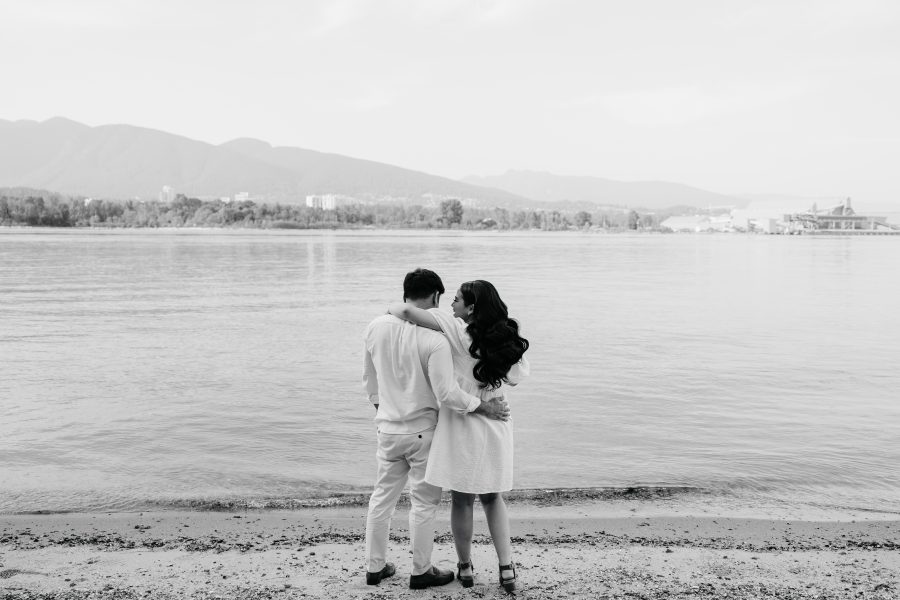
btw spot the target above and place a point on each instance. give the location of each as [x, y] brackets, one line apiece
[437, 382]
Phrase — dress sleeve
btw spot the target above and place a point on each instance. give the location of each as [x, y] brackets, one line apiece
[455, 331]
[518, 371]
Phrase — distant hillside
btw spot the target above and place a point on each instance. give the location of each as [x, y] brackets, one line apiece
[122, 161]
[651, 195]
[27, 192]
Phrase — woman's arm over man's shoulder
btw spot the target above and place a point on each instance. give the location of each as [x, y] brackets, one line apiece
[414, 314]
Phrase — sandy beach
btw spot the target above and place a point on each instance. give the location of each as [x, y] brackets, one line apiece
[564, 548]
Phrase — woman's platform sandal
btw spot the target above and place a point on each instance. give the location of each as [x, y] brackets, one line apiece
[467, 581]
[508, 583]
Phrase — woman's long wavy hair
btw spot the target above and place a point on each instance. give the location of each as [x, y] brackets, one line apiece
[496, 343]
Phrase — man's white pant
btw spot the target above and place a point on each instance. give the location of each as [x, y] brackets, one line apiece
[402, 458]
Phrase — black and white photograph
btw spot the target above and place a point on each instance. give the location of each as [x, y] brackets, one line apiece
[449, 299]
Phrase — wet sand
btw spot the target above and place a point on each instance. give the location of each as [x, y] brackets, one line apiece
[564, 548]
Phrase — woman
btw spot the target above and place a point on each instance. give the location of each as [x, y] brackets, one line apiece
[471, 454]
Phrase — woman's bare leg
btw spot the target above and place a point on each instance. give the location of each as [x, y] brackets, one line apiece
[461, 518]
[498, 524]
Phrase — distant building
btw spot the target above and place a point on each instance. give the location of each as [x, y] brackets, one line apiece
[786, 217]
[242, 196]
[840, 219]
[721, 222]
[693, 223]
[323, 201]
[167, 194]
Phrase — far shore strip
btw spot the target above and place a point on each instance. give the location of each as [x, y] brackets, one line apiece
[590, 549]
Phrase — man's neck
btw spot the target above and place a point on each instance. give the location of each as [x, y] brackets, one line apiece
[424, 303]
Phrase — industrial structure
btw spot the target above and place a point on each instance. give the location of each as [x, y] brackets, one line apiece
[841, 219]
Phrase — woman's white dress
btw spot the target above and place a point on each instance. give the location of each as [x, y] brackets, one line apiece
[471, 453]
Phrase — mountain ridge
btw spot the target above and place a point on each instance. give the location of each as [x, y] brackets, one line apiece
[123, 161]
[120, 161]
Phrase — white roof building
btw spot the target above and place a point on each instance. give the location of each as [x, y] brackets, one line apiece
[692, 223]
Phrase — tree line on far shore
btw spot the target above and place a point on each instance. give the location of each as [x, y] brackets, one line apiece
[55, 210]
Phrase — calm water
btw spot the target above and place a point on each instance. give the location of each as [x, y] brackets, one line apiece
[150, 367]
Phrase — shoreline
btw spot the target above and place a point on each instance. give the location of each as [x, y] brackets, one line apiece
[355, 498]
[425, 231]
[673, 500]
[649, 549]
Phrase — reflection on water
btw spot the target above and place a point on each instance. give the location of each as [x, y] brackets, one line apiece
[321, 260]
[226, 364]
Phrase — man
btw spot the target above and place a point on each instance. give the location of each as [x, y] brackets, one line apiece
[408, 375]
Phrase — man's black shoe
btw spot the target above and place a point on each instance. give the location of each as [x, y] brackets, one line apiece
[431, 577]
[375, 578]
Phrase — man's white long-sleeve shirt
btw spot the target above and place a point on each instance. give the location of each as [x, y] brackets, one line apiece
[409, 374]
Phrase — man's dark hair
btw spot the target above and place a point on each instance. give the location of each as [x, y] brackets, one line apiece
[420, 284]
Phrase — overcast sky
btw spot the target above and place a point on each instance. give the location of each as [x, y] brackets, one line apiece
[761, 96]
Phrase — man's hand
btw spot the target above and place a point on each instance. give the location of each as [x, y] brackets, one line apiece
[495, 408]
